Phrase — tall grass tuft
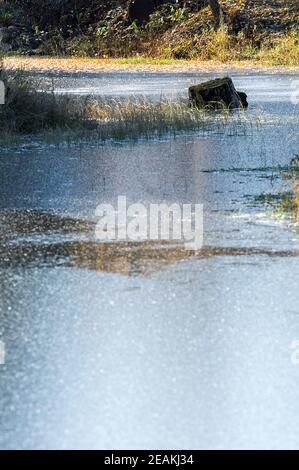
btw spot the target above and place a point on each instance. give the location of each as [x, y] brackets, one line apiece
[293, 175]
[141, 117]
[29, 111]
[286, 203]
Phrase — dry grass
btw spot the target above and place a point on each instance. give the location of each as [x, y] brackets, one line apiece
[226, 48]
[293, 176]
[89, 64]
[113, 119]
[131, 118]
[138, 63]
[285, 203]
[29, 111]
[281, 51]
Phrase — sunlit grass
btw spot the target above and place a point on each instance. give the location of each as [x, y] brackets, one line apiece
[143, 117]
[148, 60]
[281, 51]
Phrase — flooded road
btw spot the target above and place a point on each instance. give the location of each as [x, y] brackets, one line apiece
[148, 345]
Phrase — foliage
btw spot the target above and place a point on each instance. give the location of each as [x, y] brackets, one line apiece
[282, 50]
[181, 30]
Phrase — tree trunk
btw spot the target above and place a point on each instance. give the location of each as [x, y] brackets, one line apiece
[218, 94]
[217, 13]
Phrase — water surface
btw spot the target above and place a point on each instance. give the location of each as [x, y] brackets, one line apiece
[147, 345]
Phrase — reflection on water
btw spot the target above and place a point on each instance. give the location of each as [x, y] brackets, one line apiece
[126, 257]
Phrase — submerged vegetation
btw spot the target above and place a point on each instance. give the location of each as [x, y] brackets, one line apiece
[285, 203]
[290, 203]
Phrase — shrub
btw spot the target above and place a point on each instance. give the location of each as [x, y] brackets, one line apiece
[281, 50]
